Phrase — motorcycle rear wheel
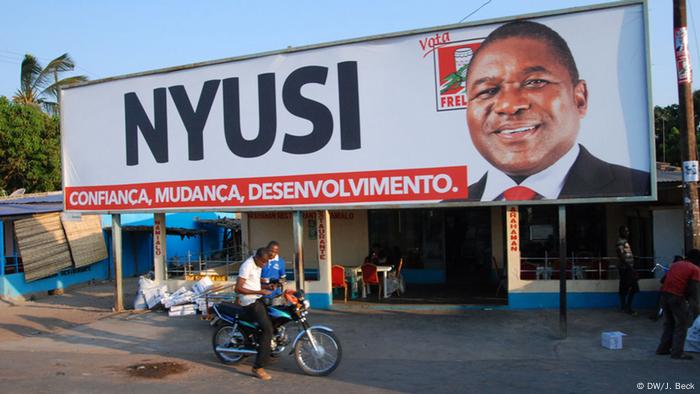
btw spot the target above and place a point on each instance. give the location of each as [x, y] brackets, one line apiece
[319, 363]
[230, 337]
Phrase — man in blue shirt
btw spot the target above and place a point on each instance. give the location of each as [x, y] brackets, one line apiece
[274, 270]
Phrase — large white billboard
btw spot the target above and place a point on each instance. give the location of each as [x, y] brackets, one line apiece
[551, 109]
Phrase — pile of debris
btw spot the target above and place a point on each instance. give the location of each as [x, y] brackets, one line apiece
[183, 302]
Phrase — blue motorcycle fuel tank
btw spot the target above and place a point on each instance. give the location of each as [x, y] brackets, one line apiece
[276, 313]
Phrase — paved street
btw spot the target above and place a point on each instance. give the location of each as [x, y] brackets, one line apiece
[384, 351]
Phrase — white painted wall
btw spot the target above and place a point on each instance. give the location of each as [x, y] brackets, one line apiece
[666, 222]
[349, 237]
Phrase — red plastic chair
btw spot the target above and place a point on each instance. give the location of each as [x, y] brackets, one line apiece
[371, 277]
[338, 279]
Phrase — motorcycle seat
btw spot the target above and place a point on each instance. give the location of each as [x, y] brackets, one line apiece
[231, 309]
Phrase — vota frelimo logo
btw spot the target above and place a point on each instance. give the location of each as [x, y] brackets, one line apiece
[451, 68]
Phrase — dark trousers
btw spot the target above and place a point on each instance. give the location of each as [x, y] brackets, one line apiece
[629, 286]
[676, 323]
[258, 312]
[626, 299]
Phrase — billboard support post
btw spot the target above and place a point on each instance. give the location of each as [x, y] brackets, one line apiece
[117, 257]
[562, 271]
[2, 249]
[298, 227]
[689, 153]
[159, 247]
[246, 249]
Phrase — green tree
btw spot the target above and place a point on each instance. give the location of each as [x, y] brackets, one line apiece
[29, 148]
[667, 130]
[39, 86]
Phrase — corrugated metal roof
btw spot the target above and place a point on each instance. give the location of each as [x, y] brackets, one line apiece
[666, 172]
[30, 204]
[181, 231]
[668, 176]
[231, 223]
[33, 198]
[29, 209]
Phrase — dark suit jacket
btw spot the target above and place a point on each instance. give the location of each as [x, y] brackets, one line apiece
[591, 177]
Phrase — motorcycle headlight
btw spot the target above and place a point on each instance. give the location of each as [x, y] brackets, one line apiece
[307, 304]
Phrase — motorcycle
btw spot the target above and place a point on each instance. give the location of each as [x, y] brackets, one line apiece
[316, 349]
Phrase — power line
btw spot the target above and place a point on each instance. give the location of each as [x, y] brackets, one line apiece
[474, 12]
[14, 53]
[8, 58]
[88, 71]
[46, 60]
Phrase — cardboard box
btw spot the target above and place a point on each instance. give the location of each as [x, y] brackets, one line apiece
[181, 296]
[154, 295]
[612, 339]
[182, 310]
[202, 285]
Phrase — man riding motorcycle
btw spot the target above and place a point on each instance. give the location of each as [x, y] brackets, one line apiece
[250, 291]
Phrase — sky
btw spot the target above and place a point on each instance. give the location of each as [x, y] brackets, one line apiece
[107, 39]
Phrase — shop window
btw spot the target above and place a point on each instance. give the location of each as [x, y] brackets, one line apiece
[641, 241]
[416, 235]
[539, 246]
[586, 241]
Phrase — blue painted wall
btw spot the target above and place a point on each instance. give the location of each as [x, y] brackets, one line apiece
[320, 300]
[175, 245]
[13, 285]
[642, 300]
[137, 247]
[137, 252]
[521, 301]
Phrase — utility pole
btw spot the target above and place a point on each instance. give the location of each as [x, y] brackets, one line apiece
[689, 151]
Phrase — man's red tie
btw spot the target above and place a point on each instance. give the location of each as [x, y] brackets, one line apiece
[519, 193]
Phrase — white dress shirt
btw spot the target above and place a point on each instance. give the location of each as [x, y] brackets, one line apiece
[547, 183]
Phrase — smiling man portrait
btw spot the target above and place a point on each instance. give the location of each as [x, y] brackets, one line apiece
[525, 102]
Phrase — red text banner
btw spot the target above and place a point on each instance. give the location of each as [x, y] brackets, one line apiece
[369, 187]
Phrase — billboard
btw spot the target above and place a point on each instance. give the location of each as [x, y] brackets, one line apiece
[501, 112]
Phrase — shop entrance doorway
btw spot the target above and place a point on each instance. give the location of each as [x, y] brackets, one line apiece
[468, 256]
[446, 254]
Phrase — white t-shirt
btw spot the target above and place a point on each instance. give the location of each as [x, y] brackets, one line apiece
[251, 273]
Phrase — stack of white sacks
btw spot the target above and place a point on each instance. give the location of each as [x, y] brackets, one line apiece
[692, 340]
[182, 302]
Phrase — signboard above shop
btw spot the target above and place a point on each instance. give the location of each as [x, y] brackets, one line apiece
[490, 113]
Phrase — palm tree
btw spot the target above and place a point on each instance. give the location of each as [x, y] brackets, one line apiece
[39, 86]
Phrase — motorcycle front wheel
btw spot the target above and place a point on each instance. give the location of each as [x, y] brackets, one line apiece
[323, 359]
[228, 336]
